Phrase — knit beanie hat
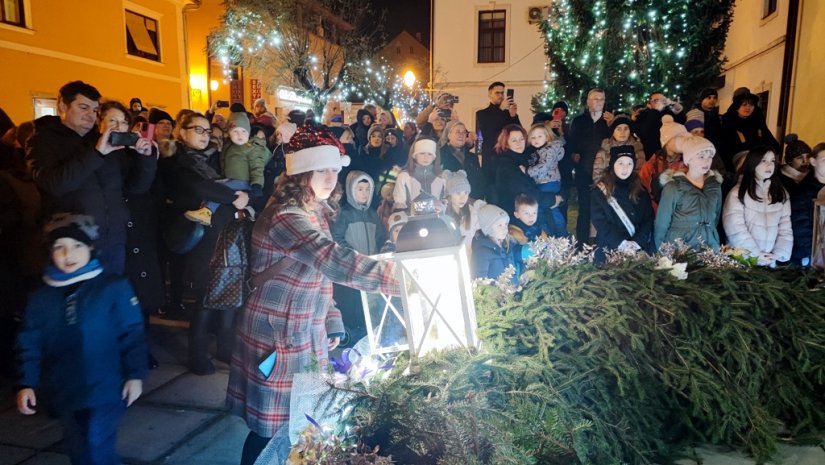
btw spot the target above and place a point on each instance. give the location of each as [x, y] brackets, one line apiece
[562, 105]
[157, 115]
[695, 119]
[693, 146]
[621, 119]
[373, 129]
[424, 145]
[314, 148]
[81, 228]
[707, 92]
[134, 101]
[670, 129]
[794, 148]
[238, 120]
[455, 182]
[490, 215]
[397, 220]
[620, 151]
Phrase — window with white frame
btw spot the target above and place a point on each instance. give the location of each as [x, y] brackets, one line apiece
[142, 36]
[13, 12]
[769, 8]
[492, 25]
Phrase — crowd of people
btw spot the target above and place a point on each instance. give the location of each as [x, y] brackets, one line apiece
[134, 206]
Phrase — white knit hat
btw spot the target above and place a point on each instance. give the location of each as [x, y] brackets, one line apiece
[424, 146]
[490, 215]
[314, 148]
[670, 129]
[693, 146]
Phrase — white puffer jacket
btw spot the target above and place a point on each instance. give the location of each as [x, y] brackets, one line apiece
[759, 226]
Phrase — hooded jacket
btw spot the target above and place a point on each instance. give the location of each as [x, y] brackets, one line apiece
[358, 226]
[245, 162]
[687, 212]
[602, 160]
[359, 130]
[759, 226]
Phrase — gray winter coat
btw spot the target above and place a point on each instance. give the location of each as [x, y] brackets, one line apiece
[357, 226]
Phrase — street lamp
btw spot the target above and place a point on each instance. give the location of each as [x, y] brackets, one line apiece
[436, 309]
[409, 79]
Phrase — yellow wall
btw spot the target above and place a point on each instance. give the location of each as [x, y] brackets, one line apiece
[86, 40]
[199, 22]
[808, 93]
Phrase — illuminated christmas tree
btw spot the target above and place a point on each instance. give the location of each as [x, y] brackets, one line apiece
[630, 48]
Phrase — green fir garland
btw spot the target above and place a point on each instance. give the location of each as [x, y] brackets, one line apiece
[622, 363]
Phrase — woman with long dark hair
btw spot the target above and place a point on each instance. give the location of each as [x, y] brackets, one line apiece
[291, 316]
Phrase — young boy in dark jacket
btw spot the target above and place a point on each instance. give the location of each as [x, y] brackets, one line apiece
[82, 349]
[357, 225]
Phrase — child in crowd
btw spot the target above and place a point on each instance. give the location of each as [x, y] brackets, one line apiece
[81, 348]
[621, 210]
[524, 226]
[420, 175]
[621, 134]
[757, 213]
[493, 249]
[242, 161]
[543, 167]
[396, 221]
[669, 157]
[357, 225]
[795, 163]
[802, 207]
[460, 207]
[691, 202]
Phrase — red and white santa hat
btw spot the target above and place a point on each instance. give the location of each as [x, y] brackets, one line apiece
[314, 148]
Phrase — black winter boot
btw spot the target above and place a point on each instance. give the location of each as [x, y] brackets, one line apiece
[199, 362]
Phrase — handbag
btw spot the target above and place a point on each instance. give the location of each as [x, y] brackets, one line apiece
[229, 267]
[228, 283]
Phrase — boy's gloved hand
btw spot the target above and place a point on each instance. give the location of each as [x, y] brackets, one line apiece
[256, 190]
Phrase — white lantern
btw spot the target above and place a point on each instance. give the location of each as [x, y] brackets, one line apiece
[435, 310]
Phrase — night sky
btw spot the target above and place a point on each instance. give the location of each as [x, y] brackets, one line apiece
[412, 15]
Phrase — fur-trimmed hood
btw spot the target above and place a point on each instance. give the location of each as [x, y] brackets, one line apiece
[671, 175]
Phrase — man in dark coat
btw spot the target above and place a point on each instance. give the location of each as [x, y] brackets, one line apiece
[587, 131]
[649, 121]
[77, 170]
[489, 123]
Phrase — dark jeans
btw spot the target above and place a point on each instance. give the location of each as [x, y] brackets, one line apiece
[92, 434]
[237, 184]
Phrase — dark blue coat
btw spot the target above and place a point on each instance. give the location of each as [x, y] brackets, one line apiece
[802, 216]
[489, 259]
[79, 345]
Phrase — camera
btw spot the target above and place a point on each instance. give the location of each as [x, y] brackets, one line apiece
[222, 104]
[451, 99]
[123, 139]
[445, 113]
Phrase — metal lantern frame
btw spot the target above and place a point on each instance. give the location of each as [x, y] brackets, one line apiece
[427, 320]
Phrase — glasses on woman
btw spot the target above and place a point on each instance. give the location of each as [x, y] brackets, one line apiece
[199, 129]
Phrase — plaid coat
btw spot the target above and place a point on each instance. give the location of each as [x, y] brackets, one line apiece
[293, 312]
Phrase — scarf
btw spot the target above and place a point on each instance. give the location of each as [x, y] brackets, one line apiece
[56, 278]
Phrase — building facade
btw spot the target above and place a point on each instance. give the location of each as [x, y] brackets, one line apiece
[125, 48]
[406, 53]
[475, 43]
[775, 49]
